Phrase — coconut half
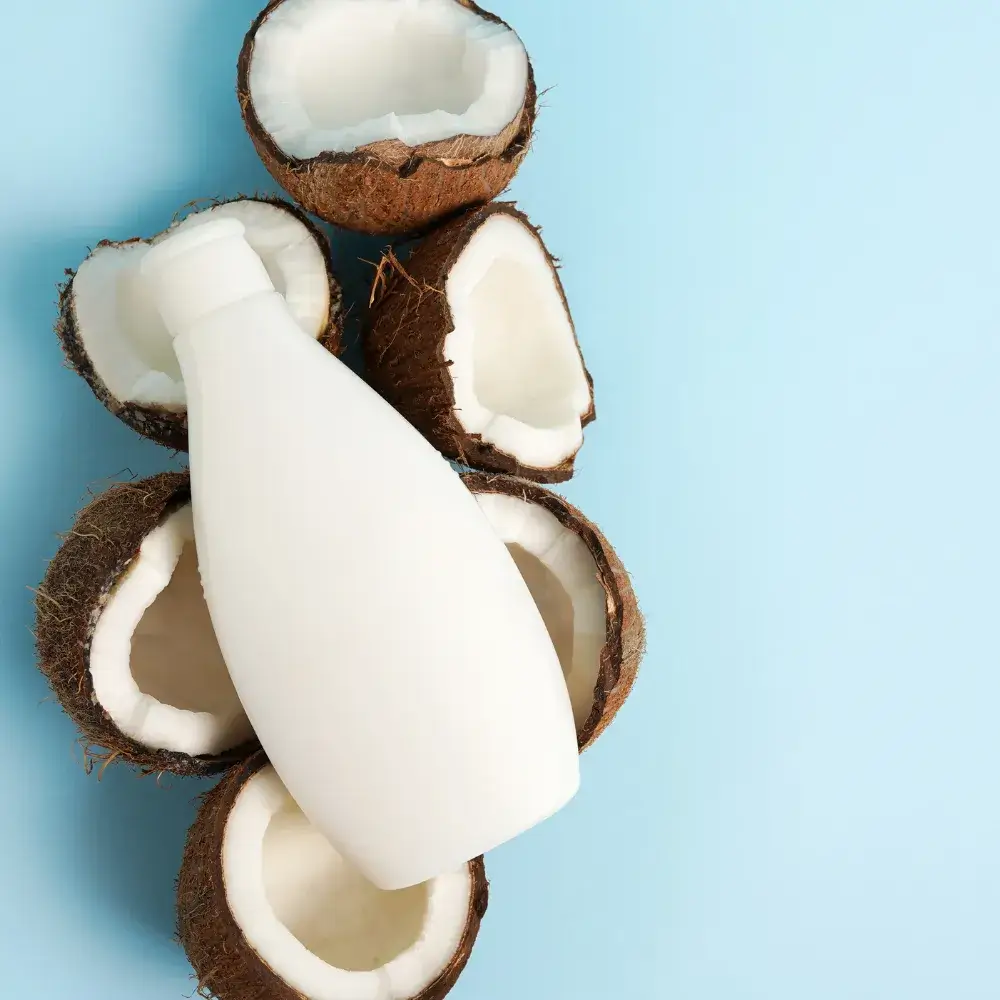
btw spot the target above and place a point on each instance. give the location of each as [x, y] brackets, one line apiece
[473, 342]
[581, 588]
[385, 116]
[125, 639]
[267, 908]
[115, 338]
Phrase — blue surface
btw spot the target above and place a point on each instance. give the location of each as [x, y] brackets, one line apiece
[779, 226]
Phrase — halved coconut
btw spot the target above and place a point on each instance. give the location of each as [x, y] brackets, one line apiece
[267, 908]
[125, 639]
[115, 338]
[388, 115]
[581, 589]
[473, 342]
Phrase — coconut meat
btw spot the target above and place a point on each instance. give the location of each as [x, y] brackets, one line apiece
[156, 665]
[316, 922]
[562, 575]
[122, 331]
[519, 380]
[336, 75]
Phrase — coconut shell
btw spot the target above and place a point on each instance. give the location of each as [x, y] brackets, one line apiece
[224, 962]
[168, 425]
[95, 554]
[625, 643]
[387, 187]
[405, 338]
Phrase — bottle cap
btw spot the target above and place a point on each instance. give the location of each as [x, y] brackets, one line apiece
[202, 269]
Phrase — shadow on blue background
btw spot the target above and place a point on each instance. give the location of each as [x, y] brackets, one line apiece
[117, 841]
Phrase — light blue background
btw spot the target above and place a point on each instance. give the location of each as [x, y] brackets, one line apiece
[779, 222]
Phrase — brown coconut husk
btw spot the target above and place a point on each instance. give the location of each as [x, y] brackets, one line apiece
[96, 553]
[224, 962]
[168, 425]
[404, 345]
[625, 644]
[387, 187]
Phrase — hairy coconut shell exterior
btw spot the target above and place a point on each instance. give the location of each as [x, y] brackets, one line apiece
[405, 338]
[625, 643]
[98, 550]
[224, 962]
[168, 425]
[387, 187]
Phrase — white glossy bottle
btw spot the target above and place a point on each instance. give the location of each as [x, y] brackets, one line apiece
[387, 651]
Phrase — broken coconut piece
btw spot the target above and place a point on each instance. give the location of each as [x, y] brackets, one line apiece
[581, 588]
[125, 639]
[267, 908]
[389, 115]
[473, 342]
[115, 338]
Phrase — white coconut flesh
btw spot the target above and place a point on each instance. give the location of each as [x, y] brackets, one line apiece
[316, 922]
[562, 575]
[519, 381]
[336, 75]
[155, 662]
[121, 329]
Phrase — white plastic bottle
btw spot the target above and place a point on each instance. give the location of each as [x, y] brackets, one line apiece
[387, 651]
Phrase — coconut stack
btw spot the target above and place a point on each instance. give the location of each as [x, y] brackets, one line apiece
[126, 641]
[264, 902]
[399, 118]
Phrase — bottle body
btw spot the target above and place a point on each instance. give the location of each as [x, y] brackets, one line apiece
[385, 647]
